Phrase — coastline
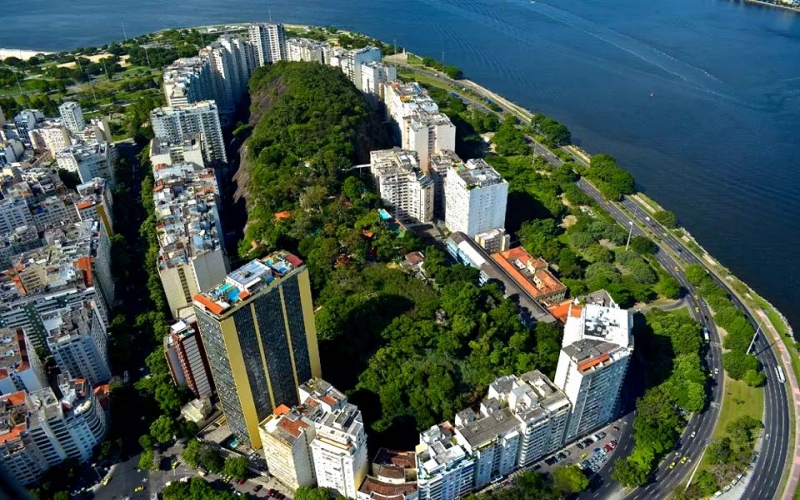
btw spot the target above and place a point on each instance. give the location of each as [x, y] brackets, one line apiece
[779, 6]
[23, 54]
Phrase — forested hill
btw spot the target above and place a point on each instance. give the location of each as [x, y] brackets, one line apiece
[308, 124]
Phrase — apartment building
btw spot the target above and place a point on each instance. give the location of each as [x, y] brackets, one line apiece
[14, 214]
[20, 367]
[596, 349]
[402, 100]
[24, 122]
[189, 150]
[532, 274]
[339, 449]
[96, 203]
[79, 342]
[438, 165]
[445, 470]
[191, 257]
[286, 437]
[373, 77]
[352, 61]
[188, 80]
[178, 124]
[52, 136]
[89, 160]
[186, 358]
[405, 189]
[38, 430]
[259, 334]
[303, 49]
[494, 240]
[429, 133]
[269, 43]
[492, 437]
[72, 114]
[475, 198]
[394, 477]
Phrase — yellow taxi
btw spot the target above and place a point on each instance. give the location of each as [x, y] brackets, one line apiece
[672, 465]
[684, 459]
[138, 489]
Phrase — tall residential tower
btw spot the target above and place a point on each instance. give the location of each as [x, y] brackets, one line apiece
[258, 330]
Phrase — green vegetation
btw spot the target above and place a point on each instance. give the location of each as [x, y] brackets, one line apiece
[569, 479]
[451, 71]
[526, 486]
[738, 331]
[555, 134]
[510, 141]
[307, 493]
[236, 467]
[612, 181]
[196, 489]
[198, 454]
[666, 218]
[669, 349]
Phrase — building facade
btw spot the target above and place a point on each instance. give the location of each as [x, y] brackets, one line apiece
[20, 367]
[175, 125]
[79, 343]
[72, 114]
[445, 471]
[405, 189]
[475, 198]
[268, 42]
[594, 357]
[186, 358]
[258, 331]
[89, 160]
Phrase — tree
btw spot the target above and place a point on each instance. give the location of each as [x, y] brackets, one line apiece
[569, 479]
[719, 451]
[643, 245]
[669, 287]
[598, 253]
[737, 363]
[666, 218]
[307, 493]
[147, 460]
[695, 274]
[235, 467]
[210, 459]
[191, 452]
[146, 441]
[612, 181]
[754, 378]
[628, 474]
[163, 429]
[169, 398]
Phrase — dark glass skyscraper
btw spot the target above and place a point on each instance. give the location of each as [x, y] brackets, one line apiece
[258, 330]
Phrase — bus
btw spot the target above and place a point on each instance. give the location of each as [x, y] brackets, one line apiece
[705, 334]
[779, 373]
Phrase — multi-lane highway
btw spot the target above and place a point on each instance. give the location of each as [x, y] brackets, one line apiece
[766, 476]
[701, 424]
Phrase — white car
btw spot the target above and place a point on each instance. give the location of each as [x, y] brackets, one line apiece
[694, 433]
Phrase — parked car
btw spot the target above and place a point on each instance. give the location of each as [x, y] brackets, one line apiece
[600, 435]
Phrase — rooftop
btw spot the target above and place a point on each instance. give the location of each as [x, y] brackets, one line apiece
[476, 173]
[438, 450]
[64, 324]
[85, 151]
[443, 160]
[532, 274]
[397, 162]
[242, 284]
[13, 416]
[185, 197]
[380, 490]
[483, 430]
[600, 324]
[13, 352]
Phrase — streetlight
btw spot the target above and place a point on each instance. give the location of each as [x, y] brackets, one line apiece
[94, 467]
[629, 235]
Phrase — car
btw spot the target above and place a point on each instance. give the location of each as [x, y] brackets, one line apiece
[726, 489]
[684, 459]
[697, 309]
[615, 428]
[257, 488]
[270, 491]
[716, 371]
[696, 298]
[241, 481]
[694, 433]
[567, 453]
[583, 455]
[581, 446]
[238, 493]
[608, 447]
[677, 270]
[600, 435]
[740, 476]
[717, 494]
[767, 437]
[138, 489]
[672, 465]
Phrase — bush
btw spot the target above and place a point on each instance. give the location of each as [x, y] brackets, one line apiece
[643, 245]
[737, 364]
[612, 181]
[666, 218]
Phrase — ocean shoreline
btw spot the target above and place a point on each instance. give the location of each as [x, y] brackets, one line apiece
[23, 54]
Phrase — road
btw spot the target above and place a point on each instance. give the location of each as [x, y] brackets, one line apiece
[769, 467]
[766, 476]
[666, 479]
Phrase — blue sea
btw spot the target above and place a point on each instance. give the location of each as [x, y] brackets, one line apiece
[718, 142]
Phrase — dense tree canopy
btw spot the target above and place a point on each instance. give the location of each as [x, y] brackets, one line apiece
[610, 179]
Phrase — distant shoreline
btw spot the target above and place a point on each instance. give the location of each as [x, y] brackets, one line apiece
[23, 54]
[770, 4]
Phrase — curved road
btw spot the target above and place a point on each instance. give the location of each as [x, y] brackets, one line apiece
[766, 476]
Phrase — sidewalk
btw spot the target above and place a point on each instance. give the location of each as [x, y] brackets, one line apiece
[791, 378]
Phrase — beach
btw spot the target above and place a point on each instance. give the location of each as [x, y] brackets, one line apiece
[20, 53]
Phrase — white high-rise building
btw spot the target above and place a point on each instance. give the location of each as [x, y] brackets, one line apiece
[187, 81]
[96, 203]
[339, 449]
[79, 342]
[303, 49]
[373, 77]
[445, 470]
[428, 134]
[52, 136]
[14, 213]
[38, 431]
[475, 198]
[191, 258]
[492, 438]
[402, 100]
[405, 189]
[89, 161]
[72, 114]
[353, 60]
[20, 367]
[595, 353]
[269, 43]
[542, 411]
[177, 124]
